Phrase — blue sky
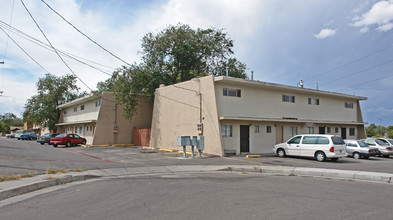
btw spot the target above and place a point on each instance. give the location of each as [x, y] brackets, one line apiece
[344, 46]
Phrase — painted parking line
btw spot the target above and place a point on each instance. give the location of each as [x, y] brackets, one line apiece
[87, 155]
[44, 160]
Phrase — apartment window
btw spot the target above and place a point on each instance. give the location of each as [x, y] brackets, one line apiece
[288, 98]
[351, 131]
[82, 107]
[312, 101]
[336, 130]
[268, 129]
[256, 129]
[328, 130]
[98, 103]
[349, 105]
[310, 130]
[80, 130]
[226, 130]
[76, 130]
[65, 111]
[232, 92]
[75, 109]
[294, 130]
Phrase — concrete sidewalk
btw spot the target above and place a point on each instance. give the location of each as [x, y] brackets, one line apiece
[18, 187]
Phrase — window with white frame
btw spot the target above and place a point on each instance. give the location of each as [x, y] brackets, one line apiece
[351, 131]
[75, 109]
[268, 129]
[312, 101]
[256, 129]
[288, 98]
[336, 130]
[329, 130]
[232, 92]
[226, 130]
[310, 130]
[82, 107]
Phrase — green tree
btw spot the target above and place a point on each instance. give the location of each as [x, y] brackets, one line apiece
[390, 134]
[52, 91]
[7, 120]
[371, 130]
[176, 54]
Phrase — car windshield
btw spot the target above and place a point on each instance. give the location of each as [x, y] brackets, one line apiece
[362, 144]
[338, 140]
[46, 135]
[380, 142]
[390, 141]
[62, 135]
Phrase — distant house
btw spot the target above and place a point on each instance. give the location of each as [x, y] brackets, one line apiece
[244, 116]
[100, 120]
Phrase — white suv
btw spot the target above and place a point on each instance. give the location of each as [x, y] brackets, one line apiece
[319, 146]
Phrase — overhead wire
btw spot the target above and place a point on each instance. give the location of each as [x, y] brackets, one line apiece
[84, 33]
[6, 48]
[61, 58]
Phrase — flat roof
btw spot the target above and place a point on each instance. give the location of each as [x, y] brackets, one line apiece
[77, 122]
[79, 101]
[233, 80]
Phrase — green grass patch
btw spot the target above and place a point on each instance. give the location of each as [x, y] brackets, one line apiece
[50, 170]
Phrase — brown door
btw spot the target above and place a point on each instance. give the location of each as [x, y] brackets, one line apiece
[244, 138]
[279, 135]
[344, 133]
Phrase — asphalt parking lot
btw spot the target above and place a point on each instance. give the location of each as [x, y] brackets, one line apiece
[28, 156]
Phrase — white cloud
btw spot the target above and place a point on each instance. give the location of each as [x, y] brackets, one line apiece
[324, 33]
[380, 14]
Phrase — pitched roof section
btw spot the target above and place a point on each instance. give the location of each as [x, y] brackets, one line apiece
[253, 83]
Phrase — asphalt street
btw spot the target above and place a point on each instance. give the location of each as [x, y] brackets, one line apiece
[208, 196]
[20, 157]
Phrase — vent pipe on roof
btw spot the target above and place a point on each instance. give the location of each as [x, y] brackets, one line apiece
[227, 72]
[301, 83]
[317, 85]
[252, 75]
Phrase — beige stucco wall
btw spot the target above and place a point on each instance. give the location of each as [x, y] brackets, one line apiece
[177, 113]
[267, 103]
[111, 116]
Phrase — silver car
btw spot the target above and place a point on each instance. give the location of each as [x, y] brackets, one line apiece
[385, 148]
[359, 149]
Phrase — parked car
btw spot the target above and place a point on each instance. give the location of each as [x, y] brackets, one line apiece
[387, 141]
[28, 136]
[319, 146]
[46, 138]
[359, 149]
[10, 135]
[385, 148]
[18, 133]
[67, 139]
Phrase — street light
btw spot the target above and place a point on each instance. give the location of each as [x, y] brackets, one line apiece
[1, 62]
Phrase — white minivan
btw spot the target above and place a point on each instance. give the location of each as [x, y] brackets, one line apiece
[18, 133]
[319, 146]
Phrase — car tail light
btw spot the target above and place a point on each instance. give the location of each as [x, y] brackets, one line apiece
[388, 148]
[331, 149]
[370, 151]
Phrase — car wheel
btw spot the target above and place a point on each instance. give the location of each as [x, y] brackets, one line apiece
[55, 145]
[83, 142]
[281, 152]
[320, 156]
[335, 159]
[68, 144]
[42, 143]
[386, 156]
[356, 155]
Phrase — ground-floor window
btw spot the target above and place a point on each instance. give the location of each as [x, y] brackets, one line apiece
[310, 130]
[226, 130]
[351, 131]
[256, 129]
[294, 130]
[336, 130]
[268, 129]
[329, 130]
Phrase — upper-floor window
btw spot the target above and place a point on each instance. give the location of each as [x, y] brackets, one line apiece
[256, 129]
[65, 111]
[98, 103]
[288, 98]
[312, 101]
[232, 92]
[349, 105]
[82, 107]
[75, 109]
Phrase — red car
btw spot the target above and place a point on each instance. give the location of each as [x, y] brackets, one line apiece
[67, 139]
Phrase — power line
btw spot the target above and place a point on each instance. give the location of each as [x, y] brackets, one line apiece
[24, 50]
[46, 46]
[53, 46]
[84, 33]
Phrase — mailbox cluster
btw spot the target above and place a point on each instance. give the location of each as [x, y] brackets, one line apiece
[193, 141]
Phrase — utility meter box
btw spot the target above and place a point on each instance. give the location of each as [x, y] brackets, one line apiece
[184, 141]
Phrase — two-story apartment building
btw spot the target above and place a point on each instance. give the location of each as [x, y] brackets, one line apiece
[245, 116]
[100, 120]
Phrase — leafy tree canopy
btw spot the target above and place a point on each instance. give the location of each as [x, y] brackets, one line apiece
[176, 54]
[7, 120]
[52, 91]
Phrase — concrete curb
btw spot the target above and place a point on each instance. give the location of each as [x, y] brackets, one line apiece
[18, 187]
[25, 185]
